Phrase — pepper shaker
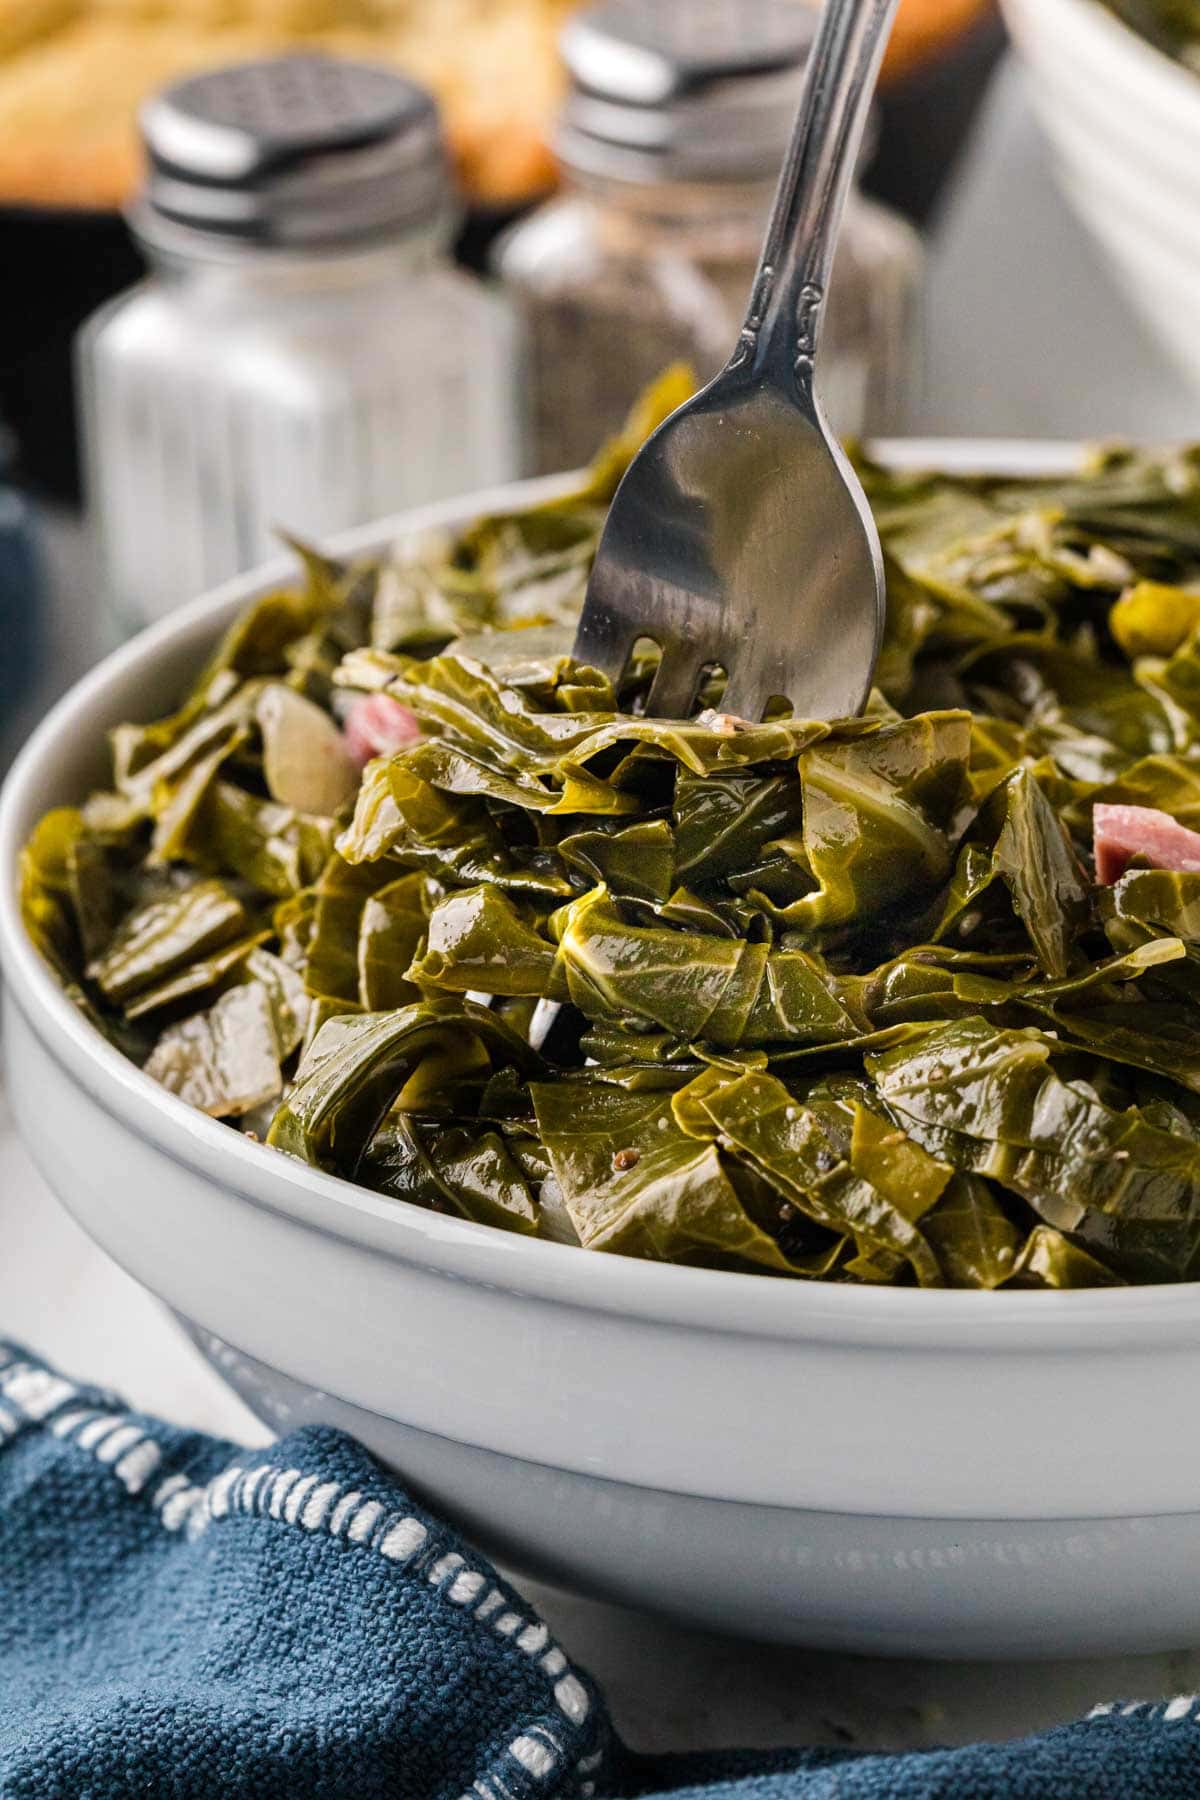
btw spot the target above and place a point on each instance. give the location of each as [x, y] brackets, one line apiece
[670, 144]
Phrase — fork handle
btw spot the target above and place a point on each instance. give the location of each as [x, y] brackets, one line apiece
[783, 322]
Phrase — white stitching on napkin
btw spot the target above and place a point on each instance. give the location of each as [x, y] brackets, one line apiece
[466, 1587]
[220, 1492]
[296, 1498]
[445, 1565]
[248, 1492]
[97, 1429]
[292, 1499]
[117, 1441]
[401, 1541]
[112, 1437]
[36, 1391]
[279, 1489]
[537, 1758]
[1171, 1712]
[572, 1698]
[170, 1485]
[317, 1504]
[138, 1465]
[342, 1511]
[68, 1422]
[364, 1522]
[181, 1507]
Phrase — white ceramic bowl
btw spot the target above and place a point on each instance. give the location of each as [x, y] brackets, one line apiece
[913, 1472]
[1124, 122]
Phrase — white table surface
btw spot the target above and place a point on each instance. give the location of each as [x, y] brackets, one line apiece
[1016, 292]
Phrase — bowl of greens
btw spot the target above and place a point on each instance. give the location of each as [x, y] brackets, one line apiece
[1116, 84]
[748, 1169]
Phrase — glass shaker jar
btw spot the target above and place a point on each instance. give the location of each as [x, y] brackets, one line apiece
[303, 357]
[670, 144]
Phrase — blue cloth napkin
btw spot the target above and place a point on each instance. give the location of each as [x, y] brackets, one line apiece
[180, 1617]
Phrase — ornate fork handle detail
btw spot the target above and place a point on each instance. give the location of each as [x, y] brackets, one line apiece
[810, 301]
[756, 312]
[787, 304]
[808, 320]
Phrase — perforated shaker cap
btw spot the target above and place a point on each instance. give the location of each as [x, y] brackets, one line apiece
[691, 90]
[294, 151]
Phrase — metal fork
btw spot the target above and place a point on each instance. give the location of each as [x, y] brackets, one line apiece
[740, 537]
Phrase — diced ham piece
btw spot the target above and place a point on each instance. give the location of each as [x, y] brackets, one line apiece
[377, 725]
[1120, 833]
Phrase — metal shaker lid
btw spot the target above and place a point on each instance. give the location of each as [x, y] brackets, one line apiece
[301, 151]
[683, 90]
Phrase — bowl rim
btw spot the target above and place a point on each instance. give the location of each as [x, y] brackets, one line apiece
[713, 1300]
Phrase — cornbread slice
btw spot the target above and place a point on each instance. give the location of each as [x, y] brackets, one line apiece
[73, 73]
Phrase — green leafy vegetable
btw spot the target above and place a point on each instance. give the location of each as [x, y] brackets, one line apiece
[633, 1182]
[455, 1170]
[989, 1101]
[1048, 1259]
[358, 1066]
[166, 934]
[973, 1238]
[882, 812]
[47, 898]
[275, 848]
[822, 1001]
[225, 1061]
[1034, 856]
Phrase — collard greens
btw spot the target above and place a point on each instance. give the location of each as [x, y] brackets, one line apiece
[840, 1002]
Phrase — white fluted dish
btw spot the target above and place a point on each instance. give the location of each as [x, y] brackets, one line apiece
[932, 1473]
[1123, 119]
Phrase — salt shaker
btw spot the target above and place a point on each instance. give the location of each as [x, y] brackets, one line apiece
[303, 356]
[670, 143]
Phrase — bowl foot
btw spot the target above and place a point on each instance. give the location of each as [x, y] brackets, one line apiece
[957, 1588]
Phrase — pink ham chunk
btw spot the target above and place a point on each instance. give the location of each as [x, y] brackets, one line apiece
[1120, 833]
[377, 725]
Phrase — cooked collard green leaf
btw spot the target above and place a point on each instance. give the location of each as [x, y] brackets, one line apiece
[845, 1001]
